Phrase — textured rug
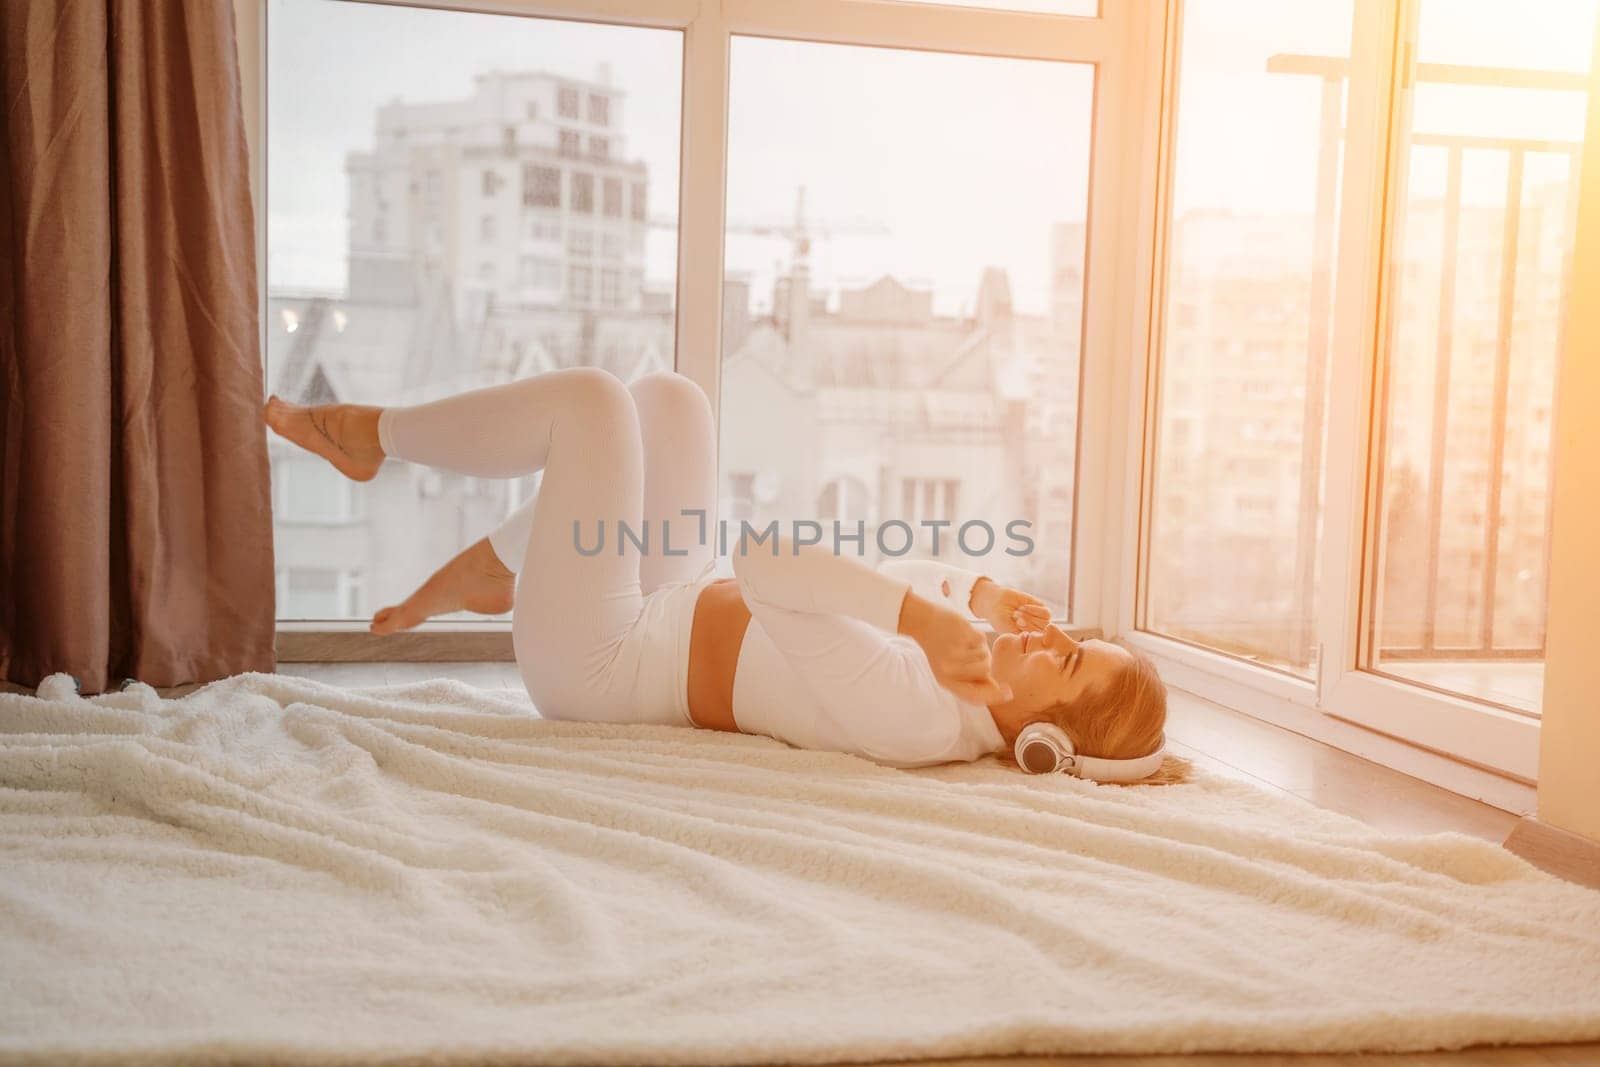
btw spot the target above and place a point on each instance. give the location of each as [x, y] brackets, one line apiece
[272, 869]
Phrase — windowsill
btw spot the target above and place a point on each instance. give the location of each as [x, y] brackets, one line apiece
[349, 641]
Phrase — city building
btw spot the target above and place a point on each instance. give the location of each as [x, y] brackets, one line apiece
[909, 416]
[521, 194]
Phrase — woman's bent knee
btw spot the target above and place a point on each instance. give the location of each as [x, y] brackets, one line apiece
[597, 388]
[670, 392]
[594, 401]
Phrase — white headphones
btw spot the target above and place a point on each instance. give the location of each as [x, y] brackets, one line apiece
[1045, 748]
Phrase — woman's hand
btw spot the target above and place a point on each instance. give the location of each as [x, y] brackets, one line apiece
[956, 651]
[1008, 610]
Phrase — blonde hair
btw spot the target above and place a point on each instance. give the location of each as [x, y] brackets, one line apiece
[1123, 719]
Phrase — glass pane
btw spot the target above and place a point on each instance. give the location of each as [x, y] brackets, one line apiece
[455, 199]
[1246, 327]
[1084, 8]
[1480, 260]
[905, 252]
[310, 490]
[310, 592]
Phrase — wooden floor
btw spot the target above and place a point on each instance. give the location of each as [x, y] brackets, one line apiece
[1229, 743]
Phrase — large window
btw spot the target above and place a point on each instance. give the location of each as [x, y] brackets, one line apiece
[1480, 263]
[1246, 327]
[903, 300]
[541, 185]
[397, 272]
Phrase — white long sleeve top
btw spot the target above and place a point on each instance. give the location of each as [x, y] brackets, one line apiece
[823, 666]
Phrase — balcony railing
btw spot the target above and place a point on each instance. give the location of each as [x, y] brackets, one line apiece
[1333, 71]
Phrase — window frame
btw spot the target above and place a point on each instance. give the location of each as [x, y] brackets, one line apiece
[1497, 738]
[1472, 747]
[1104, 41]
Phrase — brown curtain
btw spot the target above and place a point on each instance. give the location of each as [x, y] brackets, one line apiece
[135, 514]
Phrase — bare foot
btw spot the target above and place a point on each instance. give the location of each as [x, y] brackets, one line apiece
[345, 435]
[474, 581]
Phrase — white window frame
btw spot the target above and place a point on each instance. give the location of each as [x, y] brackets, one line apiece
[1103, 41]
[1478, 733]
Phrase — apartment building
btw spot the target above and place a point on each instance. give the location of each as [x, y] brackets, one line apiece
[520, 194]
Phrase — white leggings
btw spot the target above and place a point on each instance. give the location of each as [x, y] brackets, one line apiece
[601, 636]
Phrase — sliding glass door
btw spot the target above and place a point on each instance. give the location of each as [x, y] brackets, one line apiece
[1354, 345]
[1478, 282]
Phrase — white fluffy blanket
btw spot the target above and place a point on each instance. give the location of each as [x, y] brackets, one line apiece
[275, 869]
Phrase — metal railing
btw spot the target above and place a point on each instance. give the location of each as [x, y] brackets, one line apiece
[1333, 71]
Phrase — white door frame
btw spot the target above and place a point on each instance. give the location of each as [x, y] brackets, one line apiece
[1470, 747]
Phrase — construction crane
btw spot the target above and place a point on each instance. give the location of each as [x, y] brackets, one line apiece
[801, 232]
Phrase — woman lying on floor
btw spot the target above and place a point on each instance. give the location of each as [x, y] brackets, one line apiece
[805, 646]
